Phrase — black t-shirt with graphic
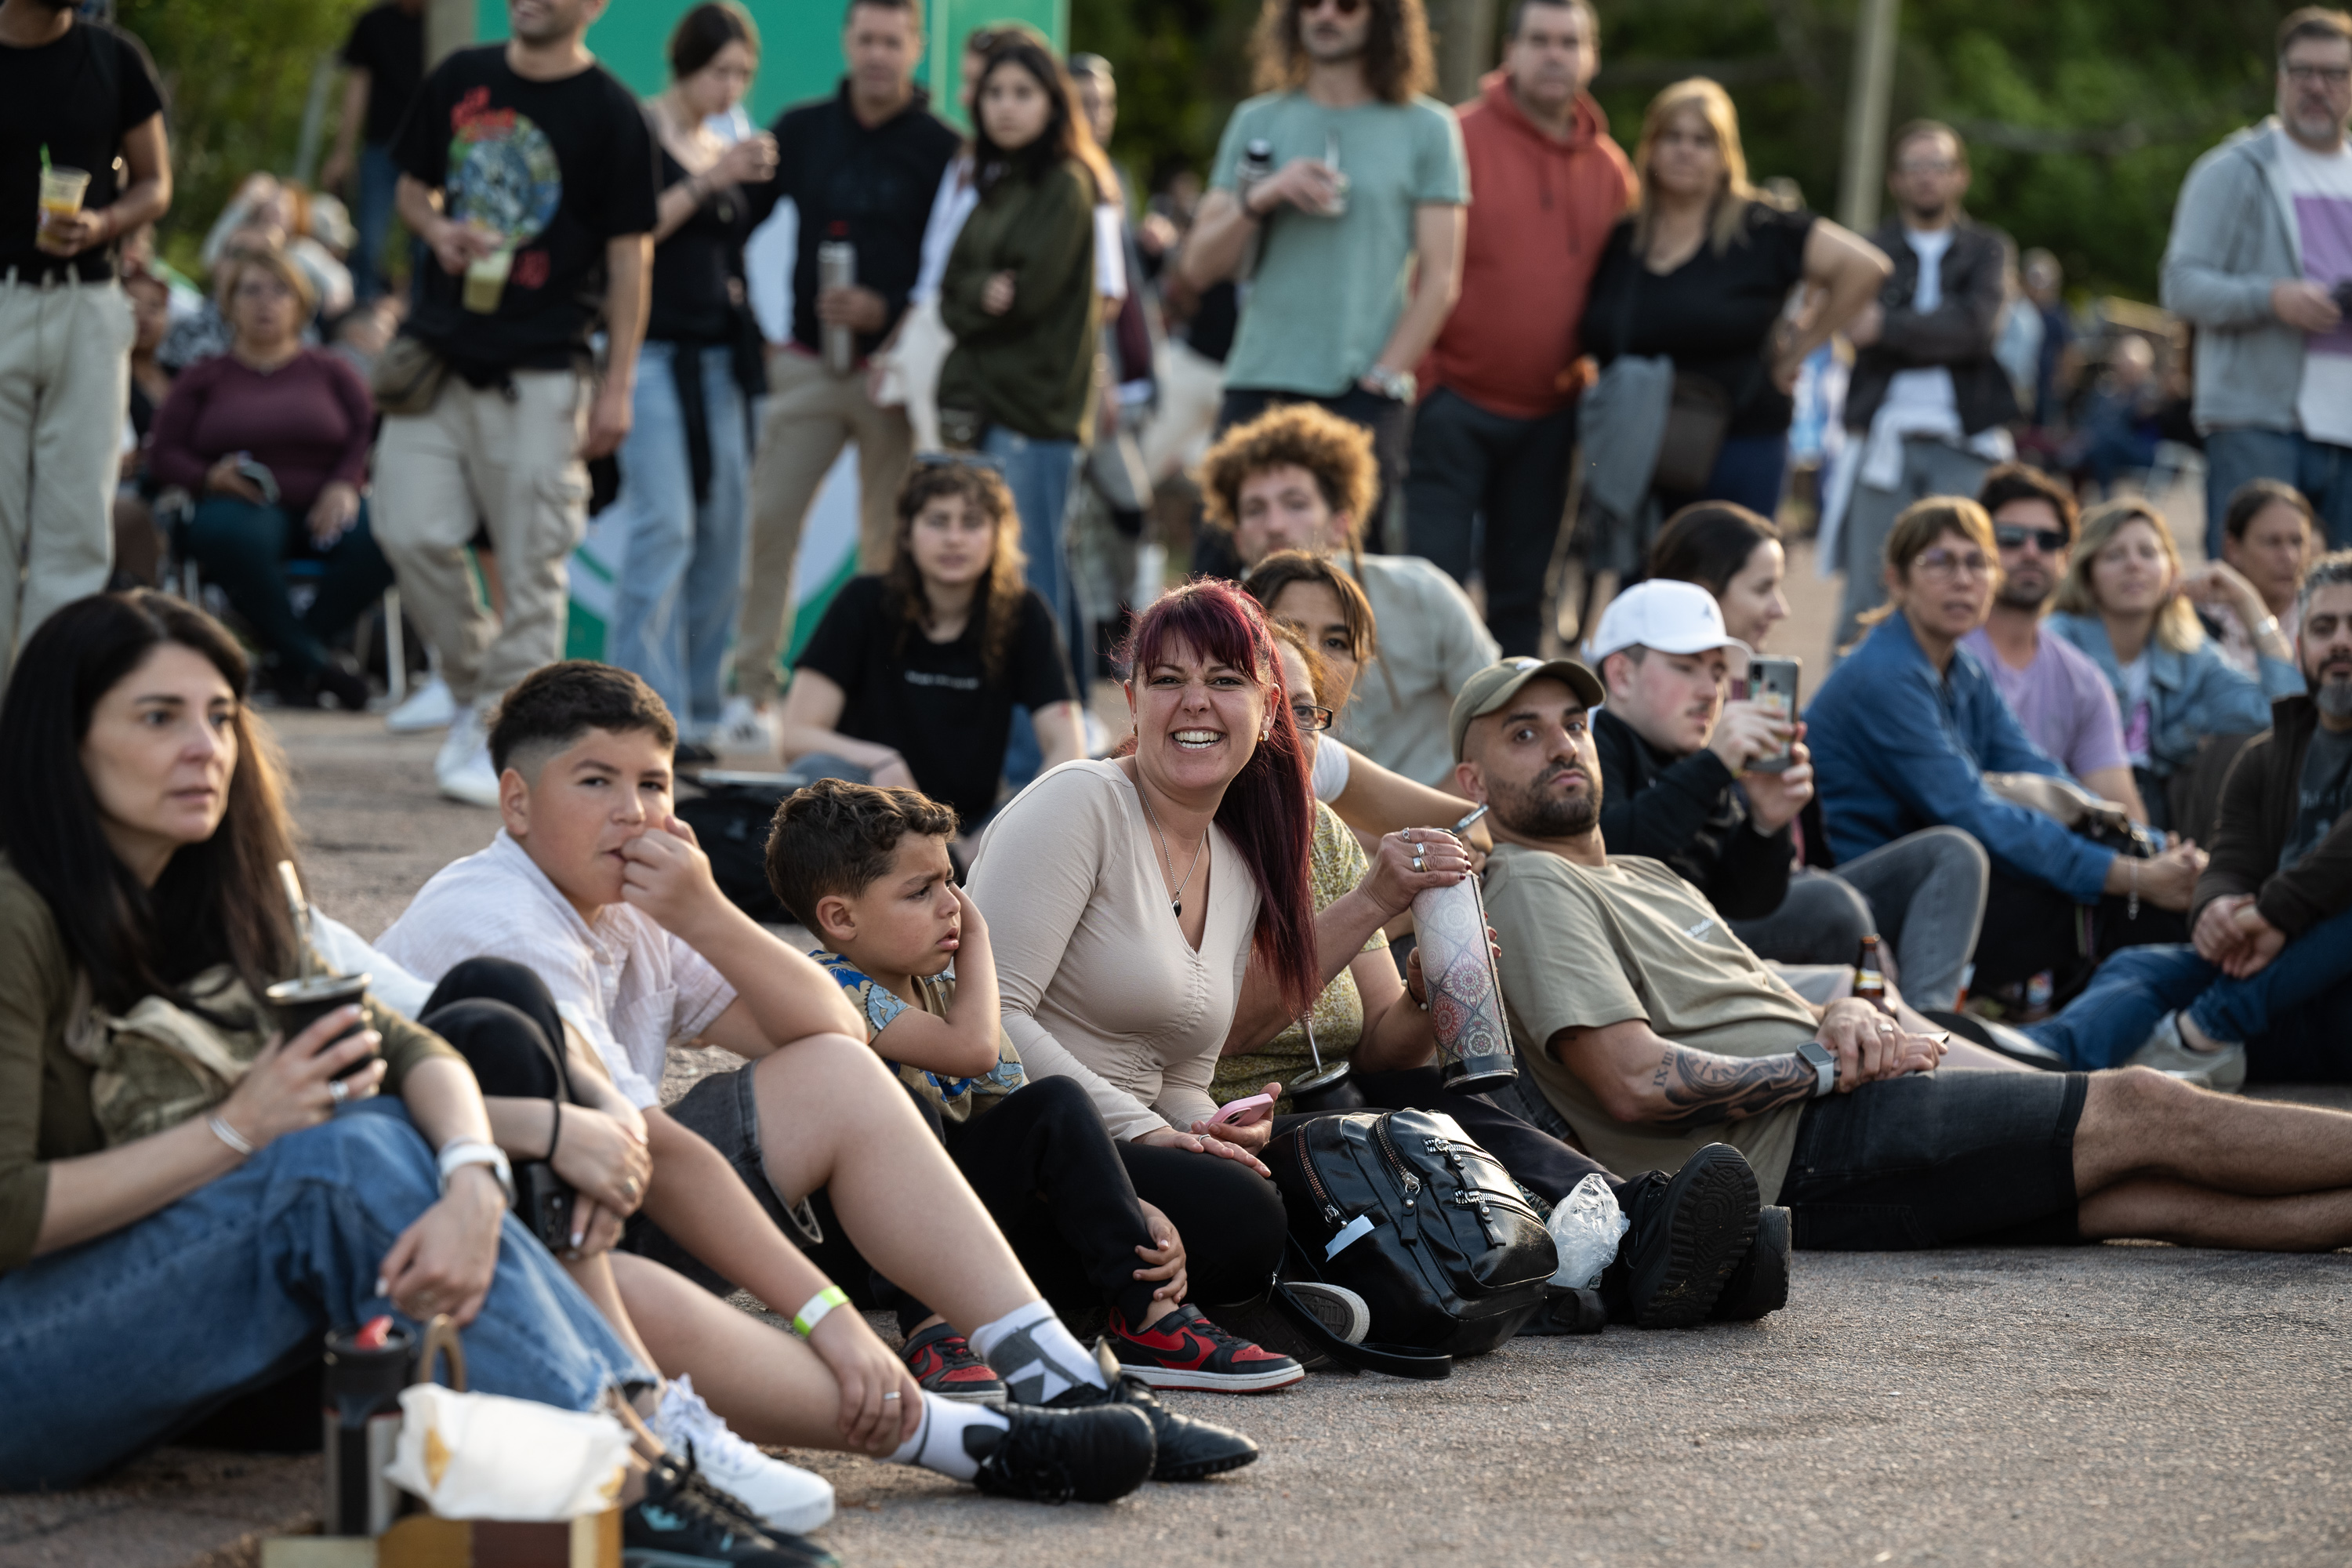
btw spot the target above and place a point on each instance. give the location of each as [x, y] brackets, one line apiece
[557, 167]
[930, 701]
[77, 97]
[2321, 795]
[387, 43]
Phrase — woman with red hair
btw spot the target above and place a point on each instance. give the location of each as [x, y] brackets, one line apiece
[1124, 900]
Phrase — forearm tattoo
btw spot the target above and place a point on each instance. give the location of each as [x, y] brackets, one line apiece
[1699, 1087]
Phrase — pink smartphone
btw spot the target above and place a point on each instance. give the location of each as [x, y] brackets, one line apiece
[1240, 1107]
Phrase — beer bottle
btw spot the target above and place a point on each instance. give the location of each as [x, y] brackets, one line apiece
[1869, 984]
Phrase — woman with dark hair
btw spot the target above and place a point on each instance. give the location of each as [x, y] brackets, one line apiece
[685, 465]
[272, 437]
[1735, 555]
[1700, 272]
[168, 1240]
[1020, 297]
[911, 678]
[1127, 899]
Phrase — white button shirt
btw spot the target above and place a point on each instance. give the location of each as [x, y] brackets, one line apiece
[628, 985]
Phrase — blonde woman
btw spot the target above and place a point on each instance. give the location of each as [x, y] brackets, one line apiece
[2128, 603]
[1700, 271]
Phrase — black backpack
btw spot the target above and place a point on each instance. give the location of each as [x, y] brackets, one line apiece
[1445, 1251]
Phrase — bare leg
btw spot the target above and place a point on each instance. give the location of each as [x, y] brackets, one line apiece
[594, 1275]
[2138, 1122]
[2158, 1208]
[832, 1116]
[765, 1383]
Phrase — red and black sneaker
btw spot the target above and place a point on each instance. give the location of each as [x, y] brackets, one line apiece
[1184, 1350]
[943, 1364]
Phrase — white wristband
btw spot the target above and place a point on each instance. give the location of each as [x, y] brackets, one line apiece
[460, 1152]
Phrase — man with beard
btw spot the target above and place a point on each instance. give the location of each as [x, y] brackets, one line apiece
[2265, 992]
[1359, 227]
[1652, 1031]
[80, 98]
[2062, 701]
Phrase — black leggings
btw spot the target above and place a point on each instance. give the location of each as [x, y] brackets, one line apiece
[1537, 1160]
[1064, 1194]
[499, 1015]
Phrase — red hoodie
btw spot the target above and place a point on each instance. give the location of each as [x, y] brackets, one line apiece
[1540, 212]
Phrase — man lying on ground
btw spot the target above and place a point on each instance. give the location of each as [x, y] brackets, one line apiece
[1652, 1031]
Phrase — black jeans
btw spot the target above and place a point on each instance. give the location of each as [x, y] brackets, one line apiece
[244, 548]
[1390, 422]
[1466, 464]
[1538, 1161]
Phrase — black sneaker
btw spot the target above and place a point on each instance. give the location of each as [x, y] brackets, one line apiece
[1687, 1234]
[1184, 1450]
[683, 1521]
[1053, 1456]
[1760, 1283]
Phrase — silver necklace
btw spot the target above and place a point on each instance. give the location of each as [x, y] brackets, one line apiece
[1175, 904]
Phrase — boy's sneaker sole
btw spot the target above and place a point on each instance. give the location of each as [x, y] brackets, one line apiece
[1337, 1307]
[1179, 1378]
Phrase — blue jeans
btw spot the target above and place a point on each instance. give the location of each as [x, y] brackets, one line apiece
[114, 1345]
[1749, 471]
[1039, 473]
[2290, 1014]
[379, 181]
[244, 547]
[2321, 471]
[681, 564]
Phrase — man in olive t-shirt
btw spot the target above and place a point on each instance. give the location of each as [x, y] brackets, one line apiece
[1652, 1031]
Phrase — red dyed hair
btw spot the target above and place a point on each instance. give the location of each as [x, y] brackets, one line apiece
[1267, 810]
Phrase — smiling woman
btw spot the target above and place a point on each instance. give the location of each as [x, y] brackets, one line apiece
[1125, 900]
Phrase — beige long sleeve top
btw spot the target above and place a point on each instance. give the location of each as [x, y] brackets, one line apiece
[1097, 979]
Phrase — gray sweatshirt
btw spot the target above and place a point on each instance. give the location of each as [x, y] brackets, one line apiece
[2233, 236]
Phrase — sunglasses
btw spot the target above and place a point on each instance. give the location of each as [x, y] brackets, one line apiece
[2014, 536]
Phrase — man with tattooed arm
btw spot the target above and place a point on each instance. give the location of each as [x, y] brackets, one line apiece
[1652, 1031]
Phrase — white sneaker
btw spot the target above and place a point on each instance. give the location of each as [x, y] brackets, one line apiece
[2223, 1070]
[787, 1498]
[462, 770]
[742, 727]
[430, 707]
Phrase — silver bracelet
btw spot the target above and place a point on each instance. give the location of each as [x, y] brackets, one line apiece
[230, 1136]
[2131, 907]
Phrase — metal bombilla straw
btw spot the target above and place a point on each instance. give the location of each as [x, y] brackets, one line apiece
[1320, 1077]
[299, 907]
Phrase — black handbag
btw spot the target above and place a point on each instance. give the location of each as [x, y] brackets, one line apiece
[1405, 1210]
[731, 821]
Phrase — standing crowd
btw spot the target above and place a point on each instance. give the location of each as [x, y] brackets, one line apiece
[1075, 992]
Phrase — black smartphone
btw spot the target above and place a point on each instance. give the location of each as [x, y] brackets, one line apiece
[1772, 685]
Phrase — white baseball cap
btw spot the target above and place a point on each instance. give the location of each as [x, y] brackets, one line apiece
[1664, 613]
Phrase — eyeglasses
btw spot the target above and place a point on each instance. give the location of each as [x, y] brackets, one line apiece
[2015, 536]
[1950, 566]
[1311, 717]
[2326, 76]
[1345, 8]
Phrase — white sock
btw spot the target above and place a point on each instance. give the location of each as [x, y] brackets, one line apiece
[953, 1437]
[1035, 1354]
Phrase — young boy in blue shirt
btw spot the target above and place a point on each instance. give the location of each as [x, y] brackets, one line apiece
[866, 870]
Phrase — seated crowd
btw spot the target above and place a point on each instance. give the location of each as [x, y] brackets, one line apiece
[1027, 1109]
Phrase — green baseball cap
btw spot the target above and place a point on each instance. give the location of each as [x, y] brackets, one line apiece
[1497, 684]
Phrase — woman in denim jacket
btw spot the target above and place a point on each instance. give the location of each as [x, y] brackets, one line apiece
[2126, 603]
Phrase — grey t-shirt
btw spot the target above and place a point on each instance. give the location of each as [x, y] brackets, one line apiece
[2320, 796]
[1328, 290]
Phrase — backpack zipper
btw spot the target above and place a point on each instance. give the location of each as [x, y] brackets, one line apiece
[1409, 1222]
[1315, 1182]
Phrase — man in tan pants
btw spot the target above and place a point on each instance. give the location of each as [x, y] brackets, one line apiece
[811, 414]
[84, 96]
[529, 173]
[861, 166]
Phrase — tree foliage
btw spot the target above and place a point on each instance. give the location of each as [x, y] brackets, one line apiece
[2081, 115]
[235, 76]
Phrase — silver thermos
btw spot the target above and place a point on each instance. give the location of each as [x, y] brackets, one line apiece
[836, 267]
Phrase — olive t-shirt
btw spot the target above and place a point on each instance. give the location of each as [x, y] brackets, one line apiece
[1583, 949]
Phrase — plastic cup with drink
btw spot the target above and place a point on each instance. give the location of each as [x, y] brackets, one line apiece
[62, 189]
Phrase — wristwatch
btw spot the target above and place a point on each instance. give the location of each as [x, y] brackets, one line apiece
[458, 1153]
[1824, 1065]
[1397, 384]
